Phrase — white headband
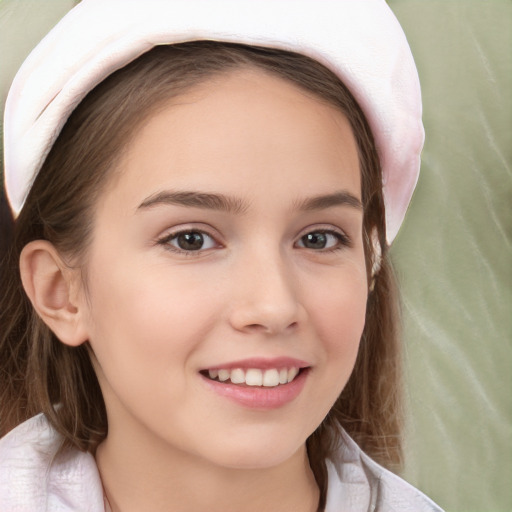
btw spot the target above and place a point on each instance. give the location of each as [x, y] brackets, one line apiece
[360, 40]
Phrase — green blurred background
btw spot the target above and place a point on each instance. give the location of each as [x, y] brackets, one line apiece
[453, 255]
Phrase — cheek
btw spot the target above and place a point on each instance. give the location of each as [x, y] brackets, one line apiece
[142, 334]
[339, 316]
[149, 318]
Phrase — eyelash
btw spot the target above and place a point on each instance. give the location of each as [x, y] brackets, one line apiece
[343, 241]
[166, 241]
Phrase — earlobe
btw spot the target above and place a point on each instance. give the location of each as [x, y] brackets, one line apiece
[50, 285]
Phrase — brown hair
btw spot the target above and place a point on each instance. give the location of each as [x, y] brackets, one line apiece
[37, 371]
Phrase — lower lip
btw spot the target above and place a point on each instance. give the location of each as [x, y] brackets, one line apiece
[258, 397]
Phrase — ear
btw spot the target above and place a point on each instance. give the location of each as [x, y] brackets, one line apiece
[53, 288]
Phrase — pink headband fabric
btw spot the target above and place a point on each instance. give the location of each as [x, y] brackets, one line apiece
[361, 41]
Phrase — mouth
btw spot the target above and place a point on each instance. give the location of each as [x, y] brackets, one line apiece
[258, 383]
[254, 377]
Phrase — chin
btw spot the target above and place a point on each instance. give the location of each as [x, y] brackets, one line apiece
[258, 450]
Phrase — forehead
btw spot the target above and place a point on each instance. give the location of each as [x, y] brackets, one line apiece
[244, 130]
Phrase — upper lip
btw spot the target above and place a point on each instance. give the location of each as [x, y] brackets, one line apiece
[261, 363]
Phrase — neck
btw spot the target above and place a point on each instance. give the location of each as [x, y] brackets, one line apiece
[140, 476]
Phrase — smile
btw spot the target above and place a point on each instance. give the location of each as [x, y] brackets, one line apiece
[270, 377]
[258, 383]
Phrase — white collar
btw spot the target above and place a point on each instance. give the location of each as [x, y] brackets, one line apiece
[358, 484]
[35, 478]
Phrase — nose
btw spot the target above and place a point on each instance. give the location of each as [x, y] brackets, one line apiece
[266, 296]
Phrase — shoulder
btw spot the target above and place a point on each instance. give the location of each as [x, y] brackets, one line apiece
[35, 475]
[359, 484]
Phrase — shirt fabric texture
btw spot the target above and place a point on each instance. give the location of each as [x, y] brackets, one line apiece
[35, 478]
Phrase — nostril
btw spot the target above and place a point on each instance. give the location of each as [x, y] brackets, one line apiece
[257, 328]
[271, 327]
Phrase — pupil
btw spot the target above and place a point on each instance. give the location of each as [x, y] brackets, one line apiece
[315, 240]
[190, 241]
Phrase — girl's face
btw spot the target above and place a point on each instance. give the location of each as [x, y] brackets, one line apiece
[229, 246]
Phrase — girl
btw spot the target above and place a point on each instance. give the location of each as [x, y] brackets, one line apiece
[198, 311]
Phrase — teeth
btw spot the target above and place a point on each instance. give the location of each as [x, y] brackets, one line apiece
[292, 373]
[256, 377]
[237, 376]
[253, 377]
[224, 375]
[271, 378]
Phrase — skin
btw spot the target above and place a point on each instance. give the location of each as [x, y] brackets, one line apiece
[156, 315]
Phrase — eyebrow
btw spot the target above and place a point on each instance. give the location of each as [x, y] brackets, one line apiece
[340, 198]
[221, 202]
[190, 199]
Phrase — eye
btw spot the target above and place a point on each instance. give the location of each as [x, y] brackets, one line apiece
[189, 241]
[323, 240]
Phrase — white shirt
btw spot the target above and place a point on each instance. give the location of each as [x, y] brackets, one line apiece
[34, 479]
